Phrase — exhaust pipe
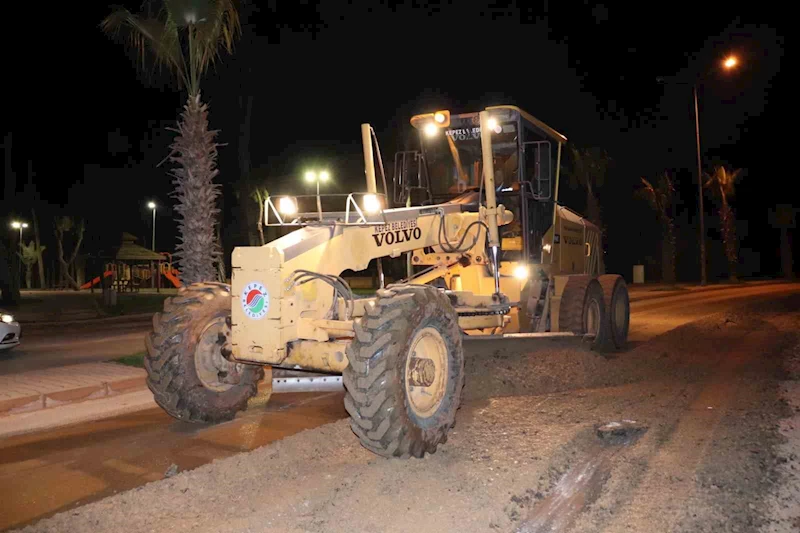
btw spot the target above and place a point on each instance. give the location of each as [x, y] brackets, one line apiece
[369, 160]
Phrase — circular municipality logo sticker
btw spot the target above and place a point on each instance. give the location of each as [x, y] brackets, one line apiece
[255, 300]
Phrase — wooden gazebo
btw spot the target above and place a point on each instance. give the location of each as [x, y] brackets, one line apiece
[134, 266]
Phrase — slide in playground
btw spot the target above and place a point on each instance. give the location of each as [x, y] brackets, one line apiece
[170, 273]
[96, 280]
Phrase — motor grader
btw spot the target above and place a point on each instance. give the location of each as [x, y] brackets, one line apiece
[488, 251]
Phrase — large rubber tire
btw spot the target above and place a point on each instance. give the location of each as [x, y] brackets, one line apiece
[582, 304]
[618, 308]
[172, 374]
[381, 412]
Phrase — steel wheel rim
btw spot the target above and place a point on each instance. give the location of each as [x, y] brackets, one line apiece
[212, 369]
[426, 400]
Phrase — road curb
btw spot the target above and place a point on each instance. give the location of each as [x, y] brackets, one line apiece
[41, 393]
[99, 321]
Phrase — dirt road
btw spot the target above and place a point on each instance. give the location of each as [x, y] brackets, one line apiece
[704, 455]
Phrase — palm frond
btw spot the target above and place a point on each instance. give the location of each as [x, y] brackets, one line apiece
[160, 37]
[218, 30]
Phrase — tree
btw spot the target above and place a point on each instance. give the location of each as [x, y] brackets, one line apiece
[252, 196]
[722, 184]
[65, 226]
[588, 171]
[39, 249]
[30, 256]
[186, 37]
[660, 198]
[9, 277]
[784, 218]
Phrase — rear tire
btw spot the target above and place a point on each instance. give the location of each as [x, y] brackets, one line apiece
[186, 371]
[405, 372]
[583, 311]
[618, 308]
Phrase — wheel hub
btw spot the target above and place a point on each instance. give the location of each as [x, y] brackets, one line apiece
[214, 369]
[426, 372]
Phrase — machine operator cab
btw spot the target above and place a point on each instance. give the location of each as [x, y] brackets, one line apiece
[448, 168]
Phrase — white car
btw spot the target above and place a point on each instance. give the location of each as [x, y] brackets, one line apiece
[9, 331]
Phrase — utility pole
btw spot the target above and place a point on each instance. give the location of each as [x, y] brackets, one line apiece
[700, 192]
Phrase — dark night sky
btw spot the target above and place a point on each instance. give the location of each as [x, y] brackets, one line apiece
[93, 127]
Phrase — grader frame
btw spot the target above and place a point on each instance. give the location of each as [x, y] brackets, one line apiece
[288, 307]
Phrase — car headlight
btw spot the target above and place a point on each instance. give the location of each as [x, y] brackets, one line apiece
[7, 319]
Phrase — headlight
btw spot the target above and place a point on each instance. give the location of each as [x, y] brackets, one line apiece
[372, 205]
[521, 272]
[7, 319]
[287, 206]
[431, 129]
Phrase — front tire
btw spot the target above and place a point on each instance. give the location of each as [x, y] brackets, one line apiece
[405, 372]
[186, 370]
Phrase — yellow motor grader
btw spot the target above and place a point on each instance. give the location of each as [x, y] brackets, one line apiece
[488, 251]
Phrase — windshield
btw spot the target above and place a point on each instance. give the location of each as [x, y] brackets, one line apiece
[454, 160]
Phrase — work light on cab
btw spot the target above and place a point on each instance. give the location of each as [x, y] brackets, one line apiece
[372, 205]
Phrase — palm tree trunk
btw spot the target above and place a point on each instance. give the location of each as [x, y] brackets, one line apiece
[39, 251]
[729, 236]
[668, 252]
[195, 152]
[786, 254]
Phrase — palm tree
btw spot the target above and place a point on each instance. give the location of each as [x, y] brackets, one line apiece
[185, 37]
[30, 255]
[660, 198]
[589, 166]
[722, 185]
[783, 217]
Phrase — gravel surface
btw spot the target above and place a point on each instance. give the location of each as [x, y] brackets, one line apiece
[707, 399]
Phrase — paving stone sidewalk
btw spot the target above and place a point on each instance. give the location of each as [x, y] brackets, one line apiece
[41, 389]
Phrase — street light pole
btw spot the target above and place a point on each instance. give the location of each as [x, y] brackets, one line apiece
[152, 205]
[700, 191]
[729, 63]
[317, 177]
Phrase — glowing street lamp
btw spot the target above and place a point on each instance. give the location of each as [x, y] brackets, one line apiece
[322, 176]
[20, 226]
[730, 62]
[152, 205]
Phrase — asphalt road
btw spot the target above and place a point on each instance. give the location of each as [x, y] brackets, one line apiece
[52, 471]
[87, 342]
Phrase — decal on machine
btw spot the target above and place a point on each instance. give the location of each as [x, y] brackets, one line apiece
[396, 232]
[255, 300]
